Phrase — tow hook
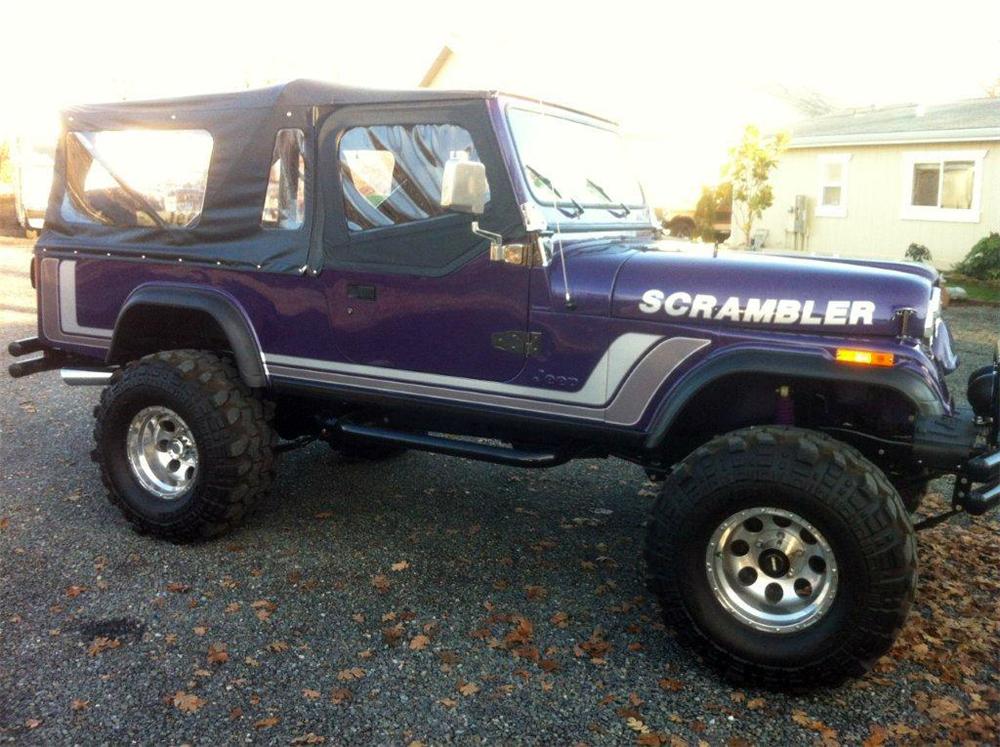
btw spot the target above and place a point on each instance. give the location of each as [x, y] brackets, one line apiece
[984, 468]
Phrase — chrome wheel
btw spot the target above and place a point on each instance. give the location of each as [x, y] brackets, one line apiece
[161, 452]
[771, 569]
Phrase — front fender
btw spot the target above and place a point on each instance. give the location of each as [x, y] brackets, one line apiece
[908, 377]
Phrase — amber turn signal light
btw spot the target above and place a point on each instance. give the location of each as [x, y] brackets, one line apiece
[865, 357]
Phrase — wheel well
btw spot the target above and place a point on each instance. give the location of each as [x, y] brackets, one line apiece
[146, 329]
[743, 399]
[168, 317]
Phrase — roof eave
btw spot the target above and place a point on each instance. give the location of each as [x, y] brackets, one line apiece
[967, 135]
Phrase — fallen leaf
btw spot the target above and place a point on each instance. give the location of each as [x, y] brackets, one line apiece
[32, 723]
[340, 695]
[448, 702]
[266, 723]
[79, 705]
[232, 607]
[102, 644]
[217, 653]
[877, 736]
[353, 673]
[636, 725]
[419, 642]
[178, 588]
[323, 515]
[4, 522]
[187, 702]
[650, 739]
[393, 634]
[310, 738]
[310, 694]
[671, 685]
[75, 591]
[560, 619]
[381, 583]
[467, 688]
[278, 646]
[535, 593]
[402, 565]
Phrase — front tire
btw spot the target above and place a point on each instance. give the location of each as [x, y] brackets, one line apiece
[783, 556]
[184, 447]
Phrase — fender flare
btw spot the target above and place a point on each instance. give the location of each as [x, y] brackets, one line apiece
[797, 364]
[224, 310]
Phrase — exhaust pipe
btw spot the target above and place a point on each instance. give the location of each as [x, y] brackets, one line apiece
[84, 376]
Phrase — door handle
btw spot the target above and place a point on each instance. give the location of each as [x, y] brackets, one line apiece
[361, 292]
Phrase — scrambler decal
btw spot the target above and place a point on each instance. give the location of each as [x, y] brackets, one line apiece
[756, 310]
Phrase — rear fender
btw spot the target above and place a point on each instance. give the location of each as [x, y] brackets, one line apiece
[160, 299]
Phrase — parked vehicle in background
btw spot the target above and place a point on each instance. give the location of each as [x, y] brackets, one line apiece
[33, 164]
[710, 219]
[479, 275]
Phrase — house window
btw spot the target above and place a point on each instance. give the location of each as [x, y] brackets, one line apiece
[832, 198]
[943, 186]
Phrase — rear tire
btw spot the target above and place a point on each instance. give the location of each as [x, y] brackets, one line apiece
[184, 447]
[863, 583]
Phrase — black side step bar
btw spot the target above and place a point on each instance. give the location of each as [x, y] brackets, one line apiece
[448, 446]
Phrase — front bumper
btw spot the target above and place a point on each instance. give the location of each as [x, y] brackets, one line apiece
[967, 444]
[984, 468]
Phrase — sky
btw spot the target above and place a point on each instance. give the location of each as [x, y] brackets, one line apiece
[683, 78]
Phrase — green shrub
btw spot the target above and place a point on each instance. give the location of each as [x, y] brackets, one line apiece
[983, 260]
[918, 253]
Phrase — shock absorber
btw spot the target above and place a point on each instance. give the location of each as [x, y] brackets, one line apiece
[784, 409]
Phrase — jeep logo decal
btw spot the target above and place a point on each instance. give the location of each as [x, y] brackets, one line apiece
[756, 310]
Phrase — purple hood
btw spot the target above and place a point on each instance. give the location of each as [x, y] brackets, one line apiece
[739, 289]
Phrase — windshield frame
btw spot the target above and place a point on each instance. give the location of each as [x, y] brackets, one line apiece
[571, 201]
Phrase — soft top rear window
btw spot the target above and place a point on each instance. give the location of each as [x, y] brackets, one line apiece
[136, 178]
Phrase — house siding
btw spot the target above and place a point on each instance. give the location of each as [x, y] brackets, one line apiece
[876, 186]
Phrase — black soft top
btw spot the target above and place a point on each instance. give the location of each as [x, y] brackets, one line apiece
[243, 126]
[295, 93]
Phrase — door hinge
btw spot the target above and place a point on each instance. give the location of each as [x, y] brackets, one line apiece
[520, 343]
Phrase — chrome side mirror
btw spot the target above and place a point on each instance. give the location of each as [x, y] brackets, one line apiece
[464, 188]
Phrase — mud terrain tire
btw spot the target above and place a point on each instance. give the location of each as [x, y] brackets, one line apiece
[230, 429]
[839, 493]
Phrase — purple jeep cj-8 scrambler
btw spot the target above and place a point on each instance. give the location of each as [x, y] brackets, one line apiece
[479, 275]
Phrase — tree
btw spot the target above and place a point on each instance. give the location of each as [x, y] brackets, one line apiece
[750, 165]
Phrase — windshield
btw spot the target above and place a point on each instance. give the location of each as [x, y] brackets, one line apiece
[566, 161]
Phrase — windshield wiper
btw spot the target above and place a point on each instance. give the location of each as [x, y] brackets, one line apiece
[552, 188]
[626, 211]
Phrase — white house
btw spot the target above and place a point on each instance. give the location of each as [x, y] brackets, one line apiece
[869, 183]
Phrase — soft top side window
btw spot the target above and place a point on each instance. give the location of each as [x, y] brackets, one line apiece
[391, 174]
[136, 178]
[285, 200]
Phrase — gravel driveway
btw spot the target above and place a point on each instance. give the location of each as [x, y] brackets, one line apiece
[424, 599]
